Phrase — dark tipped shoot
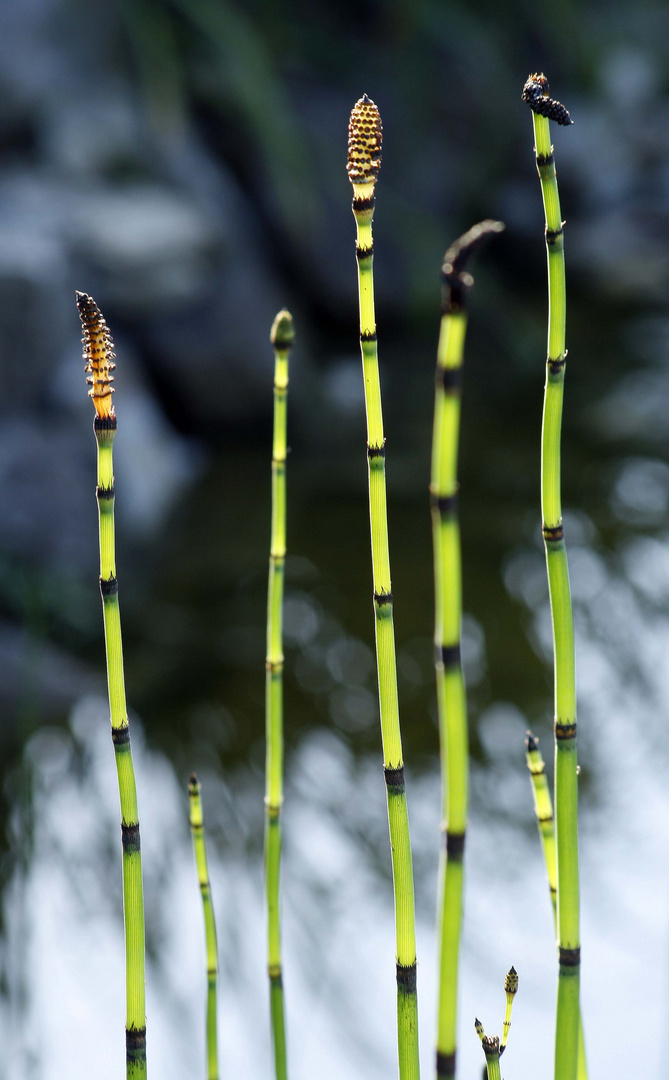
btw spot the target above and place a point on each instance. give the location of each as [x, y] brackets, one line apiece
[511, 989]
[456, 278]
[535, 94]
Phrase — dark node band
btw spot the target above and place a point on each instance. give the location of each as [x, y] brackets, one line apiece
[455, 845]
[274, 666]
[450, 379]
[276, 979]
[570, 957]
[449, 655]
[212, 974]
[455, 293]
[104, 423]
[273, 813]
[109, 586]
[564, 732]
[545, 159]
[544, 819]
[553, 534]
[368, 335]
[130, 838]
[382, 598]
[394, 779]
[364, 252]
[360, 204]
[376, 451]
[104, 493]
[556, 364]
[135, 1044]
[406, 978]
[196, 826]
[445, 1064]
[447, 505]
[121, 735]
[553, 235]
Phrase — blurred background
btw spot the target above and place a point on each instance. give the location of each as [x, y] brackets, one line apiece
[184, 162]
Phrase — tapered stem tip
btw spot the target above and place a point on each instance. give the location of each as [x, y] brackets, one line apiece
[365, 137]
[282, 334]
[531, 743]
[98, 355]
[461, 251]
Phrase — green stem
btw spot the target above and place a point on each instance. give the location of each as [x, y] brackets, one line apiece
[282, 337]
[491, 1050]
[451, 697]
[363, 162]
[543, 809]
[566, 783]
[98, 355]
[200, 847]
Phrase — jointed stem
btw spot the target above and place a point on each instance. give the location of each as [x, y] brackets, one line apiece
[451, 698]
[363, 165]
[566, 784]
[282, 338]
[98, 355]
[543, 809]
[200, 846]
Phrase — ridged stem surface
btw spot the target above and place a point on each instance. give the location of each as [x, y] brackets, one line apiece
[566, 783]
[274, 710]
[451, 698]
[133, 897]
[398, 818]
[200, 848]
[543, 809]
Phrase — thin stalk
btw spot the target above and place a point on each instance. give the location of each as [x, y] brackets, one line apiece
[200, 848]
[491, 1045]
[99, 356]
[451, 698]
[364, 161]
[491, 1050]
[543, 809]
[510, 989]
[535, 93]
[282, 337]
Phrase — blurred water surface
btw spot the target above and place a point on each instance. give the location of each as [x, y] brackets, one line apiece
[185, 164]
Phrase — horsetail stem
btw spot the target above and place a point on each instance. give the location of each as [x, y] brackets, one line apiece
[364, 161]
[99, 357]
[451, 699]
[543, 809]
[200, 848]
[491, 1050]
[511, 989]
[282, 337]
[491, 1045]
[535, 93]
